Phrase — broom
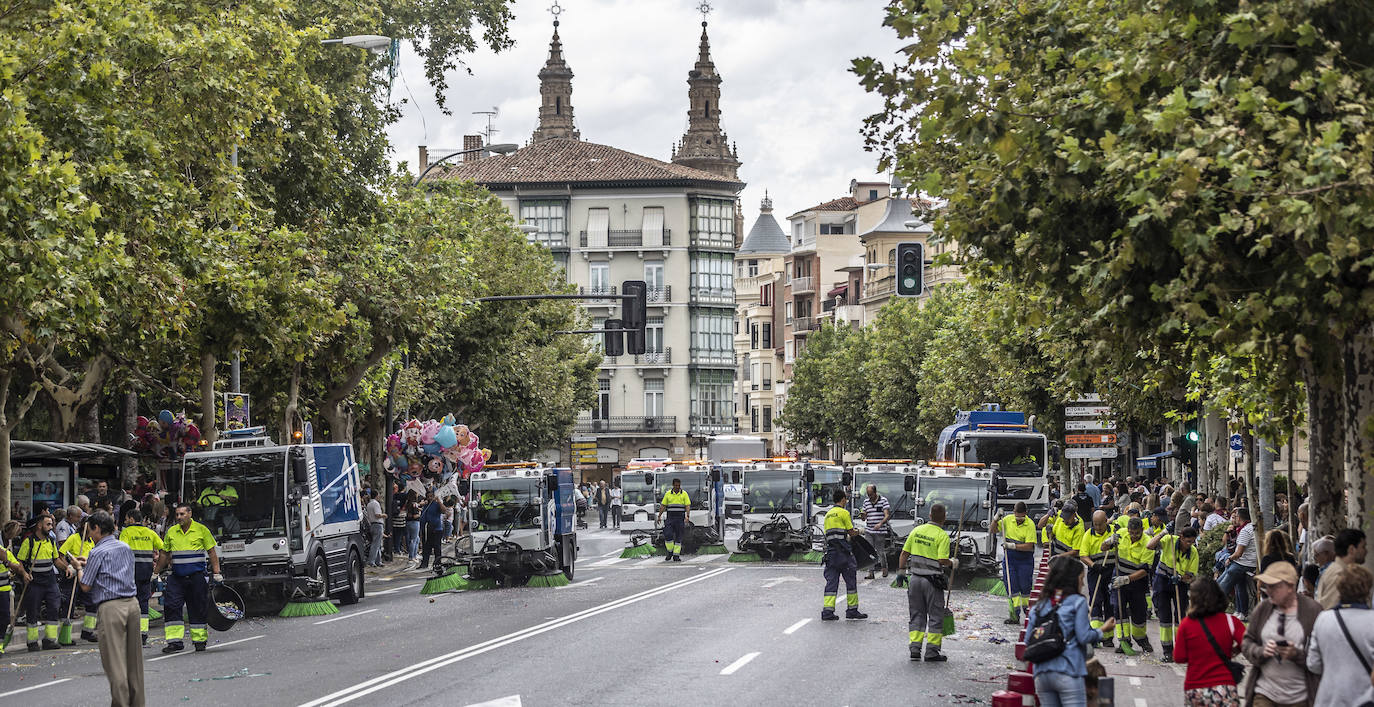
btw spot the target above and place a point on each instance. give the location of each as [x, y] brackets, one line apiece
[1125, 640]
[64, 634]
[1000, 588]
[302, 606]
[450, 580]
[14, 616]
[947, 628]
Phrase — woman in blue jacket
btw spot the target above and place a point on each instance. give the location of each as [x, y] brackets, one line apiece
[1059, 682]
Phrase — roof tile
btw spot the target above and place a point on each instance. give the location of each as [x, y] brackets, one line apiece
[563, 160]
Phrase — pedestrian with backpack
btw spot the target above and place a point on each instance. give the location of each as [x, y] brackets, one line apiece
[1059, 635]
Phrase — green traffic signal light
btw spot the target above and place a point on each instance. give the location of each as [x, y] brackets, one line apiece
[1192, 435]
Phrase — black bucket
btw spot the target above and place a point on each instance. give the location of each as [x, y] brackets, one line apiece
[222, 618]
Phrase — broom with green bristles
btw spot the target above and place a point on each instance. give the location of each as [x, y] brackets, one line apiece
[299, 605]
[446, 581]
[1000, 588]
[554, 578]
[14, 617]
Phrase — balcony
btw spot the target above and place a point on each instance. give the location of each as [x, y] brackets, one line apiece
[655, 358]
[711, 426]
[660, 295]
[879, 288]
[805, 325]
[630, 239]
[629, 424]
[607, 294]
[711, 357]
[803, 285]
[712, 295]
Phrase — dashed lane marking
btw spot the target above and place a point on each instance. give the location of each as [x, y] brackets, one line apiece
[33, 687]
[212, 646]
[608, 563]
[349, 615]
[393, 590]
[613, 552]
[1135, 682]
[793, 628]
[650, 561]
[1140, 702]
[702, 559]
[511, 701]
[743, 661]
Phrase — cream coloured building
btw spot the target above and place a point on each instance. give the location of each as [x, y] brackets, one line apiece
[607, 216]
[758, 336]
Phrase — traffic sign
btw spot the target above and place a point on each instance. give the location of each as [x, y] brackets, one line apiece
[1088, 398]
[1237, 444]
[1083, 411]
[1090, 439]
[1090, 453]
[1080, 425]
[583, 438]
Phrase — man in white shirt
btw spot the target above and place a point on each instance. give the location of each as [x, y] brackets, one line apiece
[68, 525]
[616, 497]
[1244, 560]
[376, 519]
[1214, 518]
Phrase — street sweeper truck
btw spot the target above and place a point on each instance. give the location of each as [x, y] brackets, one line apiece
[889, 476]
[638, 504]
[703, 530]
[285, 517]
[775, 519]
[1006, 441]
[521, 517]
[966, 487]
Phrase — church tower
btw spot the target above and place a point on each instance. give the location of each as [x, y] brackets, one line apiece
[704, 146]
[555, 90]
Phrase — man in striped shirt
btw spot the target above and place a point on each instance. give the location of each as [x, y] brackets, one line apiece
[107, 575]
[876, 512]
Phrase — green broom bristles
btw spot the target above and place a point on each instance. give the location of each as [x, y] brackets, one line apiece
[900, 582]
[321, 607]
[713, 550]
[645, 550]
[744, 557]
[154, 614]
[1126, 647]
[948, 628]
[557, 579]
[64, 635]
[812, 556]
[453, 579]
[987, 584]
[999, 589]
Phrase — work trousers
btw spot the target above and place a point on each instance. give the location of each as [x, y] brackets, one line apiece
[674, 531]
[1020, 567]
[839, 562]
[926, 605]
[1171, 603]
[433, 537]
[189, 591]
[143, 591]
[121, 650]
[1130, 604]
[1100, 595]
[5, 599]
[42, 607]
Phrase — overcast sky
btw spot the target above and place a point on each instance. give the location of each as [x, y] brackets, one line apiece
[787, 96]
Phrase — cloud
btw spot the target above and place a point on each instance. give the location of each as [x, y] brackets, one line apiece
[788, 99]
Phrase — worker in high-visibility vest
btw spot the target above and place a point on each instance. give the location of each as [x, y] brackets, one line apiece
[188, 548]
[1065, 530]
[77, 545]
[146, 544]
[9, 568]
[38, 553]
[839, 561]
[1133, 561]
[1018, 559]
[1178, 564]
[923, 560]
[676, 503]
[1095, 549]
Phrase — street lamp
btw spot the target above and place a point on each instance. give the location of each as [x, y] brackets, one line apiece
[528, 228]
[504, 148]
[370, 42]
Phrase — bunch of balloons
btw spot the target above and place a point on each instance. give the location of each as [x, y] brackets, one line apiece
[166, 437]
[437, 449]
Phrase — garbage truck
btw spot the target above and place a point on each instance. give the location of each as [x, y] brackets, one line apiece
[285, 517]
[521, 517]
[1007, 442]
[775, 517]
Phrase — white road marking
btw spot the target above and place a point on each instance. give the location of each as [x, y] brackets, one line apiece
[1140, 702]
[613, 552]
[608, 563]
[511, 701]
[1135, 682]
[392, 590]
[593, 580]
[775, 581]
[702, 559]
[33, 687]
[212, 646]
[395, 677]
[743, 661]
[793, 628]
[349, 615]
[651, 561]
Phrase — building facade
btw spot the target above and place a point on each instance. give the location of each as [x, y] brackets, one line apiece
[608, 215]
[758, 333]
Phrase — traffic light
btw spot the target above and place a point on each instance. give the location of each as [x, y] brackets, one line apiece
[911, 260]
[635, 304]
[1186, 444]
[634, 341]
[614, 344]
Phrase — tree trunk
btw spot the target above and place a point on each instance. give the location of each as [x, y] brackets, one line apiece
[1326, 441]
[340, 424]
[373, 441]
[1252, 488]
[1359, 425]
[293, 396]
[1265, 462]
[1214, 453]
[73, 398]
[208, 430]
[8, 421]
[88, 423]
[129, 465]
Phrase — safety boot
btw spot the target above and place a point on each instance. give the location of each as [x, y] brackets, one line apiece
[1106, 641]
[677, 558]
[50, 645]
[854, 614]
[173, 647]
[89, 636]
[933, 655]
[1144, 644]
[1166, 653]
[829, 615]
[34, 647]
[668, 557]
[200, 646]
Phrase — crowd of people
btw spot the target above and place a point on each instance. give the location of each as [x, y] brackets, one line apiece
[1299, 612]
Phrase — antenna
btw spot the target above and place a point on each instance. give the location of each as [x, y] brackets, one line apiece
[490, 130]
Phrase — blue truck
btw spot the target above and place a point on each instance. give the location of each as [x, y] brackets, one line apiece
[1008, 444]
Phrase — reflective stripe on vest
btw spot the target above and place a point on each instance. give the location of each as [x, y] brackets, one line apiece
[188, 557]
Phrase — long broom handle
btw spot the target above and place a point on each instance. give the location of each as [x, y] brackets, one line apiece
[76, 581]
[14, 614]
[959, 531]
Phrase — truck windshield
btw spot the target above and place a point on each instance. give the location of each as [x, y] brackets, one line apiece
[824, 487]
[634, 492]
[236, 495]
[498, 503]
[772, 492]
[890, 486]
[693, 482]
[1018, 456]
[955, 493]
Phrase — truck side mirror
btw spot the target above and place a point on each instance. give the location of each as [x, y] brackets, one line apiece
[847, 478]
[1054, 455]
[715, 474]
[734, 476]
[648, 479]
[909, 484]
[920, 501]
[810, 475]
[300, 471]
[744, 492]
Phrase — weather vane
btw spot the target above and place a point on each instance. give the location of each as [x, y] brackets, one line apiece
[705, 9]
[555, 9]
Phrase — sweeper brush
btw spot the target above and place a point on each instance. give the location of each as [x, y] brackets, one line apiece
[744, 557]
[813, 556]
[554, 579]
[448, 581]
[308, 607]
[987, 584]
[645, 550]
[713, 550]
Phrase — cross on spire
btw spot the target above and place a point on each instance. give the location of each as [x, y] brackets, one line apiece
[555, 9]
[705, 9]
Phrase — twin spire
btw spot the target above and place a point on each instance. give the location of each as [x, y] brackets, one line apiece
[704, 146]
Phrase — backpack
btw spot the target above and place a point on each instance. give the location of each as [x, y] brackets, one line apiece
[1045, 639]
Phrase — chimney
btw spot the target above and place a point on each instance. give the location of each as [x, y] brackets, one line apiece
[424, 159]
[472, 142]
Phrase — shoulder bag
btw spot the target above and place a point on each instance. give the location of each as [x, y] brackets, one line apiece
[1237, 670]
[1349, 639]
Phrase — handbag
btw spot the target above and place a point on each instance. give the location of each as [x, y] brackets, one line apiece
[1353, 646]
[1237, 670]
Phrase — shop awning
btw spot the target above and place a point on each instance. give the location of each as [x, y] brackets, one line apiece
[838, 290]
[1152, 461]
[76, 451]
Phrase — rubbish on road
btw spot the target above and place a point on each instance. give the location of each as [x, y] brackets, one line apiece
[229, 610]
[241, 673]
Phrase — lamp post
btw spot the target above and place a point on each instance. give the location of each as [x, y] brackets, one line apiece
[504, 148]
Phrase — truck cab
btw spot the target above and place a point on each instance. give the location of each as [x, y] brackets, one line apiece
[696, 480]
[521, 516]
[971, 488]
[889, 476]
[826, 478]
[638, 504]
[285, 517]
[775, 521]
[1006, 442]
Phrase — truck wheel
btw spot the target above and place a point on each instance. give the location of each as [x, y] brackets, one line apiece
[568, 568]
[354, 591]
[319, 571]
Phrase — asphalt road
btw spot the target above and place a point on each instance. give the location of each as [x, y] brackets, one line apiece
[626, 632]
